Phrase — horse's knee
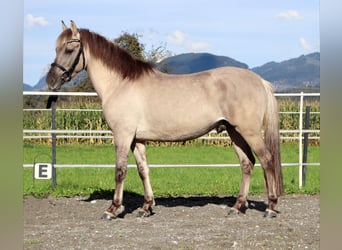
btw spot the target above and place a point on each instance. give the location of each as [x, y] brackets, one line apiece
[120, 173]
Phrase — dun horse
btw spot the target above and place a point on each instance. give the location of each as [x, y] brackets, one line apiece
[141, 104]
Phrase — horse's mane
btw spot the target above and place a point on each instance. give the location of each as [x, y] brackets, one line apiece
[113, 56]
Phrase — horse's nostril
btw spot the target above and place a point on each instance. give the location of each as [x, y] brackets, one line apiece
[54, 87]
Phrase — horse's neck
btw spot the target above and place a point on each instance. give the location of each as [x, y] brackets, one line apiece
[103, 79]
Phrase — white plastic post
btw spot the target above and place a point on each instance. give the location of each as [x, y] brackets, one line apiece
[300, 140]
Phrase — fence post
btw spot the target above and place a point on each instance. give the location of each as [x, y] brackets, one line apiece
[300, 140]
[306, 142]
[52, 104]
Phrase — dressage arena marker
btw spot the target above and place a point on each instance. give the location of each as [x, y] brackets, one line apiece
[42, 171]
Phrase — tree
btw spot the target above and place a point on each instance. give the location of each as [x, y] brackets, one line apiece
[130, 43]
[157, 54]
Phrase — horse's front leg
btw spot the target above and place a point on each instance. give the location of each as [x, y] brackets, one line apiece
[116, 208]
[139, 151]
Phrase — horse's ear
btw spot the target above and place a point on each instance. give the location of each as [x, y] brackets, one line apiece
[74, 28]
[64, 27]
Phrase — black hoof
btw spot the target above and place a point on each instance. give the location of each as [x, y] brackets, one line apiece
[270, 214]
[233, 211]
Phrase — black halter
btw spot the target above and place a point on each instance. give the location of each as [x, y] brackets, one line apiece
[68, 72]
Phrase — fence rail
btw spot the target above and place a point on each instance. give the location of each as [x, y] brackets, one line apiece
[109, 135]
[297, 134]
[106, 134]
[293, 164]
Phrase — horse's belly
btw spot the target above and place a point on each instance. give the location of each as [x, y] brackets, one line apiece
[167, 135]
[177, 131]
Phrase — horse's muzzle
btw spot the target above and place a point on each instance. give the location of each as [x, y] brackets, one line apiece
[54, 83]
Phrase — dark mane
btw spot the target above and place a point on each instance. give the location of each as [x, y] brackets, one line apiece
[113, 56]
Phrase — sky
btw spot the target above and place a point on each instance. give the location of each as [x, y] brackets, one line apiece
[252, 32]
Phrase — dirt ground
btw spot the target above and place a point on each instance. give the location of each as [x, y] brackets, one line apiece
[177, 223]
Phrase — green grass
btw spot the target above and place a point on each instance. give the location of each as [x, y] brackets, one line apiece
[190, 154]
[165, 181]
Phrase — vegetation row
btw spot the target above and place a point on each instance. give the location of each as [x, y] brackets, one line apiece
[92, 119]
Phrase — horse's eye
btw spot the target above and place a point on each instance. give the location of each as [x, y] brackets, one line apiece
[68, 51]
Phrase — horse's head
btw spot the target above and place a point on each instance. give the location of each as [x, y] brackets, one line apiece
[69, 57]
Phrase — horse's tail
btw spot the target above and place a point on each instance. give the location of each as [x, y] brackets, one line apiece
[271, 135]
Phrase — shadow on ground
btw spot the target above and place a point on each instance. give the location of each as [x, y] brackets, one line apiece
[133, 201]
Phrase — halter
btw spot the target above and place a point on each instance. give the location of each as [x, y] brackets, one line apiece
[68, 72]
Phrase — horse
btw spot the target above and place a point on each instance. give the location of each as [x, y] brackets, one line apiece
[142, 104]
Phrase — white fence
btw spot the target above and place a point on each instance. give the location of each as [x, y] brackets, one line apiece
[104, 134]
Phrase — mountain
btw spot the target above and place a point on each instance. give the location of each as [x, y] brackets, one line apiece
[298, 73]
[195, 62]
[27, 87]
[301, 73]
[41, 85]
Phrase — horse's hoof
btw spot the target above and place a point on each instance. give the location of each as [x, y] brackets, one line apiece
[142, 213]
[107, 216]
[270, 214]
[119, 210]
[233, 211]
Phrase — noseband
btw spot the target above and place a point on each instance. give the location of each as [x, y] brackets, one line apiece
[68, 72]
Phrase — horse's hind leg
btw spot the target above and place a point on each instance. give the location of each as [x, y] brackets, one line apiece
[139, 151]
[247, 162]
[259, 148]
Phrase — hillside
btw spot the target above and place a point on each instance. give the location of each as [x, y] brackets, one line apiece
[27, 87]
[42, 81]
[297, 73]
[195, 62]
[301, 73]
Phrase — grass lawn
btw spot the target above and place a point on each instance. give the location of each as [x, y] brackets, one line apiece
[165, 181]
